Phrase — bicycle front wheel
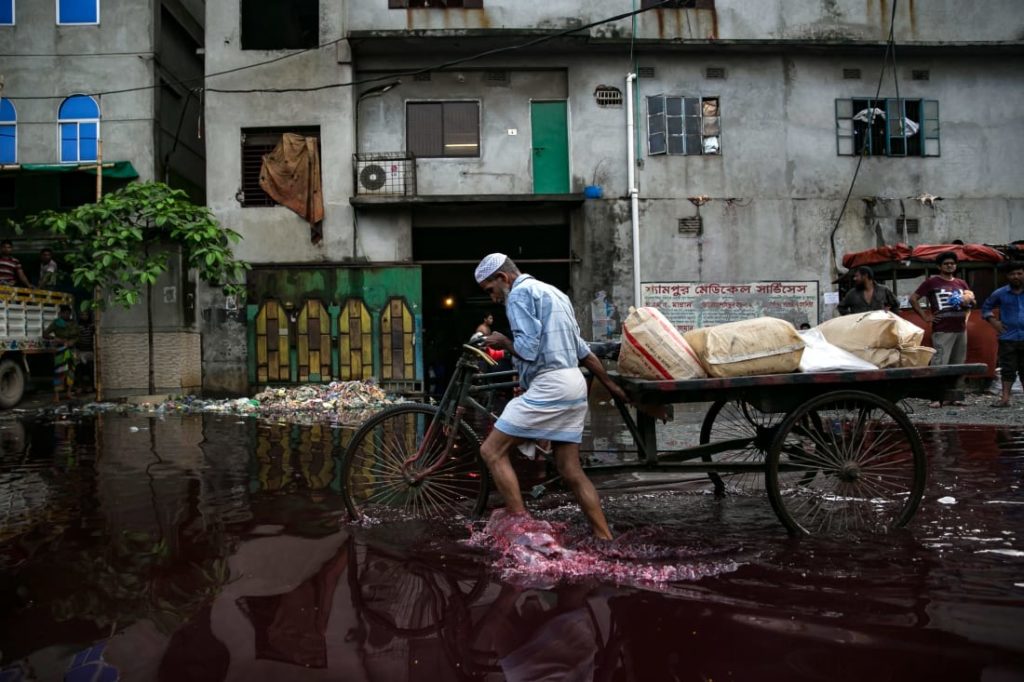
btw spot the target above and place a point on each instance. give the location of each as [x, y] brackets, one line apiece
[397, 464]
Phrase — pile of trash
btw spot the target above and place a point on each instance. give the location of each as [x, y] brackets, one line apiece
[339, 402]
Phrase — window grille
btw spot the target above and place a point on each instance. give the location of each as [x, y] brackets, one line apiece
[887, 127]
[257, 143]
[442, 129]
[714, 73]
[645, 72]
[683, 125]
[435, 4]
[851, 74]
[693, 225]
[920, 75]
[910, 225]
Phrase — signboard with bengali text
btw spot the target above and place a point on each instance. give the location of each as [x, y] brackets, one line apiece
[703, 304]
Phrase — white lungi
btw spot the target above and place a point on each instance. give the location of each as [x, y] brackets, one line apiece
[553, 408]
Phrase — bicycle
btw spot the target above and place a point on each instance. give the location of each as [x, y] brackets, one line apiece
[423, 459]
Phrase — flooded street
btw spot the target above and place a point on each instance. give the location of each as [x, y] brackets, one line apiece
[217, 548]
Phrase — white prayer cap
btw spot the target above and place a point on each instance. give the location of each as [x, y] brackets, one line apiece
[488, 266]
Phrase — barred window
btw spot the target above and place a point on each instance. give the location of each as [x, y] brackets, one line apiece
[257, 143]
[887, 127]
[442, 129]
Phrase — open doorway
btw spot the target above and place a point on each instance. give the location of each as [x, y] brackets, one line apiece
[453, 303]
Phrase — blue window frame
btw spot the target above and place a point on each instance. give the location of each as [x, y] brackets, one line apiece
[78, 11]
[79, 124]
[8, 132]
[6, 12]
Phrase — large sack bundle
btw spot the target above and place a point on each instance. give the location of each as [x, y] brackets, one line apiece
[654, 349]
[764, 345]
[882, 338]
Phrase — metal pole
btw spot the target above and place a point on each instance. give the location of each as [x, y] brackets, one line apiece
[634, 194]
[96, 381]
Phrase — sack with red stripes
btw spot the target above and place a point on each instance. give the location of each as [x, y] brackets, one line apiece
[652, 348]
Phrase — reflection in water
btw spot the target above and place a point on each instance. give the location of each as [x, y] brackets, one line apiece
[207, 548]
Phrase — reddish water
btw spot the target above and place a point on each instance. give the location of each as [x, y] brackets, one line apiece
[212, 549]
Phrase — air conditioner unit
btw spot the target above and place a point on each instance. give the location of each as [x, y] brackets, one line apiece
[385, 174]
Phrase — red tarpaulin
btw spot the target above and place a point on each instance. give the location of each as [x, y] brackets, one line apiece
[882, 254]
[925, 253]
[971, 253]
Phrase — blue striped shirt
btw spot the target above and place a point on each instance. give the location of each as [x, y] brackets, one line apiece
[1011, 312]
[545, 334]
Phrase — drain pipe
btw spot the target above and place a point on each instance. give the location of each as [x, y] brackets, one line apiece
[634, 194]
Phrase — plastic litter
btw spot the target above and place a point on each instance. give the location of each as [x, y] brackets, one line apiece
[339, 402]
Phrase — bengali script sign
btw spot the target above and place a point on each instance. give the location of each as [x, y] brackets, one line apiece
[702, 304]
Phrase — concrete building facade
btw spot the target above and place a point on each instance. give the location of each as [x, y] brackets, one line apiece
[473, 126]
[133, 65]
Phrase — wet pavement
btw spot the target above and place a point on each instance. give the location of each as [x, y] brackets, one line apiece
[208, 547]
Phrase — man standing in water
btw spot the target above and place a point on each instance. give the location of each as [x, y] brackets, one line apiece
[547, 351]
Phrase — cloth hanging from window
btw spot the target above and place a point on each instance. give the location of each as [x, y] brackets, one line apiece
[862, 115]
[290, 175]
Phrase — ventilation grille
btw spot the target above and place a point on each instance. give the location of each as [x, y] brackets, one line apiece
[691, 226]
[608, 96]
[911, 224]
[851, 74]
[920, 75]
[496, 77]
[714, 73]
[645, 72]
[423, 77]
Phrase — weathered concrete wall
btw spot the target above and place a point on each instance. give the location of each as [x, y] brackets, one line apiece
[124, 362]
[503, 157]
[121, 44]
[275, 234]
[832, 20]
[770, 199]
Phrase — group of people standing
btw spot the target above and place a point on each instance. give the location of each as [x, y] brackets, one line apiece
[949, 302]
[12, 274]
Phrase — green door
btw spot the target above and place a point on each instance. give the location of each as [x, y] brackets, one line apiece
[550, 147]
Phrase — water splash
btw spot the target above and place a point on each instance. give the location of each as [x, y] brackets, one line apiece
[537, 553]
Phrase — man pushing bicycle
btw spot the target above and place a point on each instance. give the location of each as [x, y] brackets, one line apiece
[547, 352]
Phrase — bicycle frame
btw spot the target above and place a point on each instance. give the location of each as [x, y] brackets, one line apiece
[457, 397]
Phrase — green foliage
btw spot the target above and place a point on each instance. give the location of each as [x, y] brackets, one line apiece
[119, 244]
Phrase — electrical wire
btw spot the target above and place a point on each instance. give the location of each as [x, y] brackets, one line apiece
[436, 67]
[449, 64]
[890, 48]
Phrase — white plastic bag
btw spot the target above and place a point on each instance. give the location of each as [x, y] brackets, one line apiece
[822, 356]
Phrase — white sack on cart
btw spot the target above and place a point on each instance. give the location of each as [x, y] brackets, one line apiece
[822, 356]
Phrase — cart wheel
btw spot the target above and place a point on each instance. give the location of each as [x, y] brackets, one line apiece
[730, 420]
[376, 477]
[868, 458]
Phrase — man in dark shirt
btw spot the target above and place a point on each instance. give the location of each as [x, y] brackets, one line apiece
[949, 298]
[866, 295]
[11, 273]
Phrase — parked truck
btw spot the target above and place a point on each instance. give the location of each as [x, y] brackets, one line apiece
[24, 353]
